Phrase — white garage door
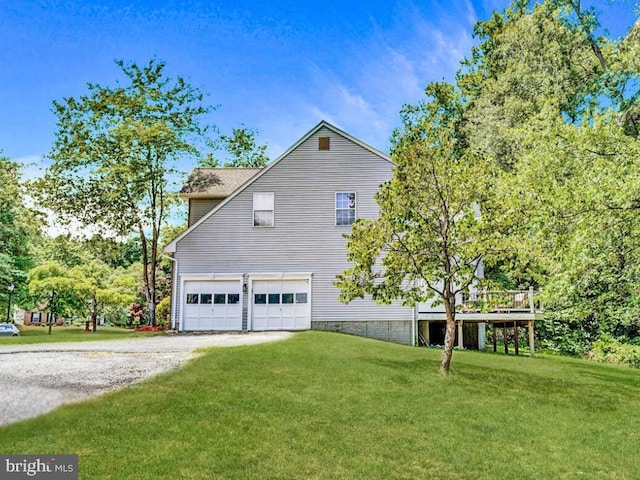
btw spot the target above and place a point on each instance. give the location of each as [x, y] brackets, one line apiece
[212, 305]
[281, 305]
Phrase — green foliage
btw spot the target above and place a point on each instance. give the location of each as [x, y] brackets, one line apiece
[71, 252]
[113, 154]
[52, 289]
[240, 150]
[609, 350]
[18, 227]
[82, 290]
[429, 237]
[555, 106]
[163, 312]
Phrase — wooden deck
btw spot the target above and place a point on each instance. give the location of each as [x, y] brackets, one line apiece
[509, 310]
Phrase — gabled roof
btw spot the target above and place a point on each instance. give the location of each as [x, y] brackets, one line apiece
[215, 182]
[171, 247]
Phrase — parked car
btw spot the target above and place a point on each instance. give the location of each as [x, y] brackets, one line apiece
[8, 329]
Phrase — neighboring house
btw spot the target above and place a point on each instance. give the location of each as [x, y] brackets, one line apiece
[39, 317]
[264, 246]
[266, 257]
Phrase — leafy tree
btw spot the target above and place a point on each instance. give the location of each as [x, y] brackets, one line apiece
[96, 288]
[528, 61]
[240, 150]
[113, 154]
[72, 251]
[556, 107]
[18, 226]
[85, 289]
[51, 288]
[428, 240]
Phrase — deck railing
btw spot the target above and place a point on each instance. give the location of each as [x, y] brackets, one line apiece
[505, 301]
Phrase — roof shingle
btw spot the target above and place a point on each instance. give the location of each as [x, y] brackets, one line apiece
[215, 182]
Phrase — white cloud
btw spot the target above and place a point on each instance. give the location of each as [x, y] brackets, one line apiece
[391, 68]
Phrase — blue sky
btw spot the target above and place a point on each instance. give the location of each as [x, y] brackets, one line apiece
[277, 66]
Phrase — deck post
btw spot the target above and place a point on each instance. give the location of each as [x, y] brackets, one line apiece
[532, 348]
[532, 306]
[515, 334]
[505, 334]
[495, 339]
[460, 334]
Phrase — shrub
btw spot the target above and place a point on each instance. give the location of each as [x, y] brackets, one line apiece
[163, 311]
[609, 350]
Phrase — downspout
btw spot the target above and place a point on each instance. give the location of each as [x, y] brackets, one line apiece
[174, 299]
[414, 322]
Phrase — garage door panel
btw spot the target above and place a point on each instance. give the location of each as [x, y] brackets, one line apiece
[212, 305]
[281, 305]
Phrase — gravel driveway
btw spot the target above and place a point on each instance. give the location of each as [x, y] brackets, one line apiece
[35, 379]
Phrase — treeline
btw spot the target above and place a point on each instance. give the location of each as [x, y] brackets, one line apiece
[529, 161]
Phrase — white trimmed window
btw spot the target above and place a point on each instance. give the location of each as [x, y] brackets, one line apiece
[345, 208]
[263, 209]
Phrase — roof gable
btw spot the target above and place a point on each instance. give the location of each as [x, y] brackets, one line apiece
[171, 247]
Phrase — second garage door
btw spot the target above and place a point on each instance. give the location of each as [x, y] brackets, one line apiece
[212, 306]
[281, 305]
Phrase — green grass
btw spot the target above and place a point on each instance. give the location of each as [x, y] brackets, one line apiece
[331, 406]
[40, 334]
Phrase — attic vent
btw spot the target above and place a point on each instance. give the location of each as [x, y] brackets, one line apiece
[323, 143]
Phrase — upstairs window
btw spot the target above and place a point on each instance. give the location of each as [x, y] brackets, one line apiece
[345, 208]
[263, 209]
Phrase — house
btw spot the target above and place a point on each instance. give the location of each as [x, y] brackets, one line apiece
[266, 256]
[264, 246]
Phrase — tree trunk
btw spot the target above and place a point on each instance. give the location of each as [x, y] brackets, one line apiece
[450, 335]
[94, 315]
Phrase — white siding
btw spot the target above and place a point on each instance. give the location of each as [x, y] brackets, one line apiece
[305, 237]
[199, 207]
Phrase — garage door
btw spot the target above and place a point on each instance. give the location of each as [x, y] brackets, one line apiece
[212, 305]
[281, 305]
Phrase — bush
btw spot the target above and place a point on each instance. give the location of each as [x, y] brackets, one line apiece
[163, 311]
[609, 350]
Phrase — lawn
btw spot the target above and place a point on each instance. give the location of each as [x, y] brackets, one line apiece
[331, 406]
[38, 334]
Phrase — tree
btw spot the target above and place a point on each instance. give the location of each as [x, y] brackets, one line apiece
[52, 289]
[240, 150]
[95, 286]
[113, 152]
[18, 226]
[429, 238]
[85, 289]
[73, 251]
[556, 107]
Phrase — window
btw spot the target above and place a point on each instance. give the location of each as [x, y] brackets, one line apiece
[274, 298]
[192, 298]
[287, 298]
[301, 298]
[219, 298]
[323, 143]
[260, 298]
[233, 298]
[205, 298]
[263, 209]
[345, 208]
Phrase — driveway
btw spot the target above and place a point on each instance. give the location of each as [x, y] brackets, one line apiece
[35, 379]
